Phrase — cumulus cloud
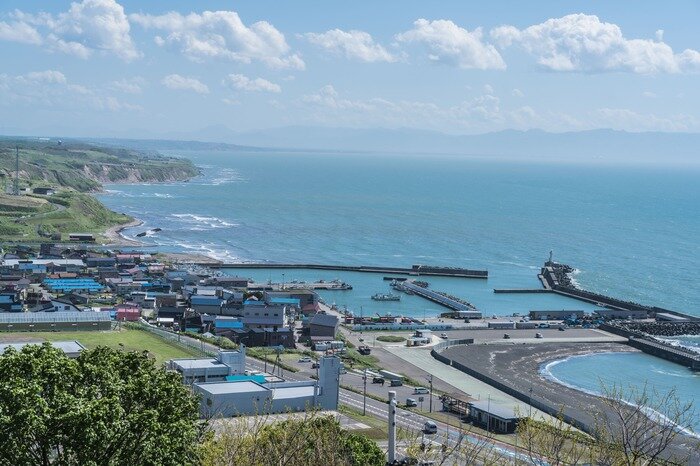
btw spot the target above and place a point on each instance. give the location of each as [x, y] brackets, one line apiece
[177, 82]
[221, 34]
[355, 45]
[52, 89]
[240, 82]
[517, 93]
[86, 28]
[448, 43]
[580, 42]
[19, 31]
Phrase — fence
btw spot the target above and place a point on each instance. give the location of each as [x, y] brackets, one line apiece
[524, 397]
[176, 339]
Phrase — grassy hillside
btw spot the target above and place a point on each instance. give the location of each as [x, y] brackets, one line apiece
[73, 168]
[25, 218]
[84, 167]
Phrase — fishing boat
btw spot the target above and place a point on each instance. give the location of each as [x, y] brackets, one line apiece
[386, 297]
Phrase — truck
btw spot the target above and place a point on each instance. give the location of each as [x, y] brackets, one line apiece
[391, 375]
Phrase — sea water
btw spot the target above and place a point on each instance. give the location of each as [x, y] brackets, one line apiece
[629, 373]
[631, 233]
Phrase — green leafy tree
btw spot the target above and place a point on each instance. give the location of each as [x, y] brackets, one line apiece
[105, 407]
[311, 440]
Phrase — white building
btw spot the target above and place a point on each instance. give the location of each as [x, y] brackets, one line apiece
[247, 397]
[210, 369]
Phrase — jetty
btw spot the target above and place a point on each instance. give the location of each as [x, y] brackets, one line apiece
[462, 307]
[417, 270]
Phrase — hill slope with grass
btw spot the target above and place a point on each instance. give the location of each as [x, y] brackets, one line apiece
[73, 169]
[84, 167]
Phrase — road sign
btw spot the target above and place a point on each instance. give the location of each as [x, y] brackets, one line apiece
[421, 399]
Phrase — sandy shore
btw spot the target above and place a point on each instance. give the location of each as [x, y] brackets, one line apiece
[518, 367]
[116, 238]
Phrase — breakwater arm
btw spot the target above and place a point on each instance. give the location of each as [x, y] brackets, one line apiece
[415, 270]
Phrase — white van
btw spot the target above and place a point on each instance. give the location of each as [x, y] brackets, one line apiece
[430, 428]
[420, 391]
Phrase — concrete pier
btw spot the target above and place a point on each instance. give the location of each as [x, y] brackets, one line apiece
[441, 299]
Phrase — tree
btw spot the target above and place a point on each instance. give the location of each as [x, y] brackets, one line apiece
[639, 427]
[311, 439]
[105, 407]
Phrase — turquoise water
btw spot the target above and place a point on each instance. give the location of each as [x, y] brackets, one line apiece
[628, 372]
[631, 233]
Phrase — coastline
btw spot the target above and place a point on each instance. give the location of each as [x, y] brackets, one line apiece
[115, 237]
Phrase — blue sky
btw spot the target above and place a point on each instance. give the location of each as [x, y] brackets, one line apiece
[158, 68]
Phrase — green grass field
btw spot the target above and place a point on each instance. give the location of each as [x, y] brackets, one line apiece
[129, 340]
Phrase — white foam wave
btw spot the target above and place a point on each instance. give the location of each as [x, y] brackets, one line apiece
[679, 342]
[203, 223]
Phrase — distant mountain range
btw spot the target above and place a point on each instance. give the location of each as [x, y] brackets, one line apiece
[595, 145]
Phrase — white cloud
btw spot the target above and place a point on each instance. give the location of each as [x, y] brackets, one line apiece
[52, 89]
[629, 120]
[221, 34]
[87, 27]
[177, 82]
[129, 86]
[517, 93]
[448, 43]
[357, 45]
[580, 42]
[244, 83]
[19, 32]
[649, 95]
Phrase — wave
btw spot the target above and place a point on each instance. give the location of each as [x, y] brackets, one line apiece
[204, 223]
[211, 250]
[681, 341]
[546, 372]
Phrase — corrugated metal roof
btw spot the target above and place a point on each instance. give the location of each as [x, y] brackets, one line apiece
[31, 317]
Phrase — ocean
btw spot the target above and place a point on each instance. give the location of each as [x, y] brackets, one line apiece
[630, 232]
[630, 373]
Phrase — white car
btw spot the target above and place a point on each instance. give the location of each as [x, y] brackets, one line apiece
[443, 336]
[304, 359]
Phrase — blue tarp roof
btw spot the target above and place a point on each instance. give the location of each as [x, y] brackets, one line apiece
[206, 300]
[292, 301]
[225, 323]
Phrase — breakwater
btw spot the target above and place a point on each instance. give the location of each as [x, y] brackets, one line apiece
[637, 337]
[414, 270]
[465, 308]
[556, 277]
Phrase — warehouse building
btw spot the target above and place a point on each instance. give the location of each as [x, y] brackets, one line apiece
[248, 397]
[54, 321]
[226, 363]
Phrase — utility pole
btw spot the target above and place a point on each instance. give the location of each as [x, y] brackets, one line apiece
[364, 395]
[392, 427]
[431, 392]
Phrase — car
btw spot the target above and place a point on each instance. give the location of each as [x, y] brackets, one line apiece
[443, 336]
[538, 335]
[411, 403]
[304, 359]
[420, 391]
[378, 380]
[543, 325]
[315, 365]
[430, 428]
[506, 336]
[396, 383]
